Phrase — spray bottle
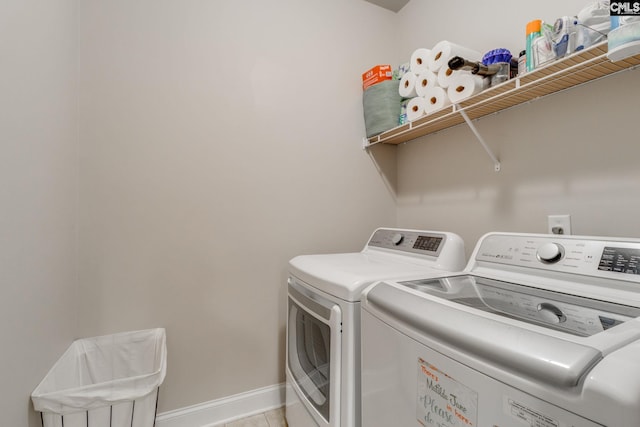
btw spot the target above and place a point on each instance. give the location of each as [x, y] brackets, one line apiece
[534, 30]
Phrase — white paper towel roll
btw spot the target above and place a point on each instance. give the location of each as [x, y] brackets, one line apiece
[444, 50]
[415, 108]
[420, 60]
[446, 74]
[464, 86]
[407, 87]
[425, 81]
[436, 98]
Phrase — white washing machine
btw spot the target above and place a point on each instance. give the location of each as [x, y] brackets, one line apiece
[323, 324]
[538, 330]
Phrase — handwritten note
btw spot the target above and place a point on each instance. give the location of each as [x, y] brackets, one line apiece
[443, 401]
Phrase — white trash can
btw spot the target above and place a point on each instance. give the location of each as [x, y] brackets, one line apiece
[106, 381]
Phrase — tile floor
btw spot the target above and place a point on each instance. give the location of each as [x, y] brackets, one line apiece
[274, 418]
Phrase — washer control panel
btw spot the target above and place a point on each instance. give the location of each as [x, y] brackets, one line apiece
[550, 252]
[572, 254]
[622, 260]
[420, 242]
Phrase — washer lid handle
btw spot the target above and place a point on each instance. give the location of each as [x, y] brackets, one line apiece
[541, 357]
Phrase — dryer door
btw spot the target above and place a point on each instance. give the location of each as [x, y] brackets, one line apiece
[313, 352]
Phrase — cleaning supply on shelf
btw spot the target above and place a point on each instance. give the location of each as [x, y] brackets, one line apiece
[565, 36]
[381, 105]
[502, 75]
[401, 71]
[496, 56]
[513, 69]
[543, 46]
[522, 62]
[403, 112]
[500, 58]
[539, 46]
[534, 30]
[624, 37]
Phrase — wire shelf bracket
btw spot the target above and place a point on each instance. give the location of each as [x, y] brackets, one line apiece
[496, 162]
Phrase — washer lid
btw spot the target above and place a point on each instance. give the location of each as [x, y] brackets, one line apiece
[576, 315]
[534, 354]
[548, 336]
[346, 275]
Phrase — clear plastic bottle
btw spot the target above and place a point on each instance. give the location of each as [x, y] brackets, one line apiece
[522, 63]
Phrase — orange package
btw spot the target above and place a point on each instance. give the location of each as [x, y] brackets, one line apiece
[377, 74]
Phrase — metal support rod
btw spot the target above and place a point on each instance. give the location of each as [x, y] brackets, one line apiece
[496, 162]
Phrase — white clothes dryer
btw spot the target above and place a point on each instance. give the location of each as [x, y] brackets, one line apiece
[538, 330]
[323, 323]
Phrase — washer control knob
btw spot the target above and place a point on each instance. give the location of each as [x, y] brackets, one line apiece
[550, 313]
[397, 238]
[550, 253]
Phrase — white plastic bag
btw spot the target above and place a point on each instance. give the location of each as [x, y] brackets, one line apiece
[594, 23]
[104, 371]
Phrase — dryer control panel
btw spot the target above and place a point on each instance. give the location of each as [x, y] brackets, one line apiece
[615, 259]
[420, 242]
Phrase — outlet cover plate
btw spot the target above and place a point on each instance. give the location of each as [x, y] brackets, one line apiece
[559, 222]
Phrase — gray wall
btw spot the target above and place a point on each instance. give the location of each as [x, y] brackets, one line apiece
[218, 140]
[38, 196]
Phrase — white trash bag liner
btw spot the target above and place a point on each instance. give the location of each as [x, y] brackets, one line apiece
[112, 372]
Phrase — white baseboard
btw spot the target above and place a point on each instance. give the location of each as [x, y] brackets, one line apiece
[227, 409]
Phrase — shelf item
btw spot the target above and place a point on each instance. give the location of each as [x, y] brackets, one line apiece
[578, 68]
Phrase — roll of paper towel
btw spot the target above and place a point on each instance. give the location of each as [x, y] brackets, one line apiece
[425, 81]
[415, 108]
[419, 60]
[436, 98]
[443, 51]
[464, 86]
[446, 74]
[407, 87]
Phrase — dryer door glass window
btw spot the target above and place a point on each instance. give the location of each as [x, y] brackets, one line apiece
[309, 356]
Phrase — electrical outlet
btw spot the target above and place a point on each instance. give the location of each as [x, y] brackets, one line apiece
[559, 224]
